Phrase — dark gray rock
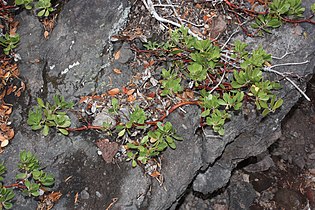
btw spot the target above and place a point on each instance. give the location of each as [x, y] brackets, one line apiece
[262, 165]
[72, 63]
[241, 195]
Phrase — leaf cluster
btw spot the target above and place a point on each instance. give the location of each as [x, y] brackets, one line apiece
[171, 83]
[47, 115]
[31, 180]
[6, 195]
[31, 175]
[277, 10]
[9, 42]
[204, 59]
[152, 144]
[42, 7]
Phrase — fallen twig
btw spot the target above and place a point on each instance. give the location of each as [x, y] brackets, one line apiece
[270, 69]
[150, 7]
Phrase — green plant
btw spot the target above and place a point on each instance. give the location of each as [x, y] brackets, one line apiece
[263, 96]
[9, 42]
[171, 83]
[266, 23]
[27, 3]
[152, 144]
[151, 45]
[137, 118]
[278, 10]
[287, 8]
[32, 180]
[115, 106]
[43, 7]
[49, 115]
[6, 196]
[205, 64]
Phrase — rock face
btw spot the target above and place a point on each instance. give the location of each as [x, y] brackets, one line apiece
[73, 63]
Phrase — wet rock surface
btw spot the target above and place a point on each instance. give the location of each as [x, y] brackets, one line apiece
[73, 63]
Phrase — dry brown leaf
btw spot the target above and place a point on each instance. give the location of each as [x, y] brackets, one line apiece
[151, 95]
[76, 198]
[113, 91]
[125, 90]
[10, 133]
[4, 143]
[189, 94]
[131, 98]
[129, 92]
[155, 174]
[117, 71]
[117, 55]
[18, 93]
[2, 137]
[13, 27]
[3, 94]
[46, 34]
[8, 111]
[198, 6]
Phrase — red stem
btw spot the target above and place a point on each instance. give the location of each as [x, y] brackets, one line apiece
[183, 103]
[83, 128]
[308, 20]
[17, 185]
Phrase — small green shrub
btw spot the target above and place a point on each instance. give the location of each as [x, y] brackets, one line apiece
[152, 144]
[46, 115]
[9, 42]
[42, 7]
[32, 181]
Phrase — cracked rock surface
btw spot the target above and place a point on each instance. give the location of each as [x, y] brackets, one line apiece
[72, 63]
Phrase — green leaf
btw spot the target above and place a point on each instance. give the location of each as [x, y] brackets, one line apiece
[21, 176]
[41, 13]
[265, 112]
[66, 124]
[278, 104]
[45, 130]
[122, 133]
[7, 205]
[313, 7]
[35, 193]
[205, 113]
[134, 163]
[63, 131]
[177, 137]
[171, 142]
[221, 131]
[144, 140]
[40, 102]
[36, 127]
[27, 184]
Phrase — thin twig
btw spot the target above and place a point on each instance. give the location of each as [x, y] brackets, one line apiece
[288, 64]
[217, 85]
[165, 5]
[149, 5]
[228, 40]
[270, 69]
[280, 58]
[175, 12]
